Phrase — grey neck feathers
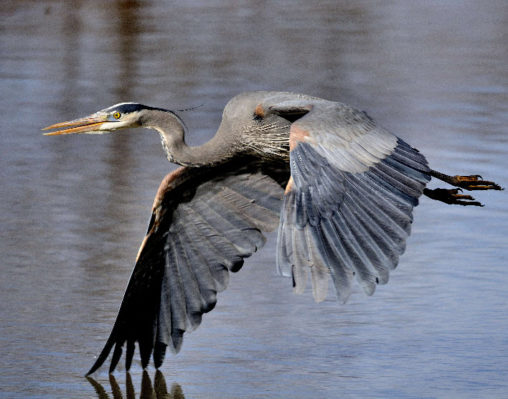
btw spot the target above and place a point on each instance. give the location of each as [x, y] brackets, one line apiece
[172, 132]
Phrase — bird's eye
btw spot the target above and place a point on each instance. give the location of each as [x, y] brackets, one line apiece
[257, 117]
[117, 115]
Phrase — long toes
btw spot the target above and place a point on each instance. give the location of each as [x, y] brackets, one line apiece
[484, 185]
[490, 185]
[463, 199]
[452, 196]
[476, 182]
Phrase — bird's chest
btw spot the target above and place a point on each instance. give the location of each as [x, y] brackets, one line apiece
[270, 143]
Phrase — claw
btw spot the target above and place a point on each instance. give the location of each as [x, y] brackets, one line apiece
[451, 196]
[474, 182]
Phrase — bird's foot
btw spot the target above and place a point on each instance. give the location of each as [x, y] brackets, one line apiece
[474, 182]
[451, 196]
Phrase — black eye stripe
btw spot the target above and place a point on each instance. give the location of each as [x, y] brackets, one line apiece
[130, 107]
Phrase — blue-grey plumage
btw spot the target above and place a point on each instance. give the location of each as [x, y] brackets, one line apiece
[340, 188]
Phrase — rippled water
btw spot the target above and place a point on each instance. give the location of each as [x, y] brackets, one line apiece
[74, 209]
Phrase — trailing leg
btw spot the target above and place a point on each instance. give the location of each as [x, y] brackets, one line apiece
[474, 182]
[455, 196]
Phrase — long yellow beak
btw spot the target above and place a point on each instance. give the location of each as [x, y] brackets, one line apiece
[88, 124]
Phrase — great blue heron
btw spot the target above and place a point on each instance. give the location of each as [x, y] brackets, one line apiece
[340, 188]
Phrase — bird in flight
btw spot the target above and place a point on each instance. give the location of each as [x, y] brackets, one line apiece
[339, 188]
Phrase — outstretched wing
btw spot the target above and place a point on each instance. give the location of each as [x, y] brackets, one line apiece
[205, 221]
[347, 208]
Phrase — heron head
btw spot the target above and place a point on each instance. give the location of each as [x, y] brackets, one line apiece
[118, 116]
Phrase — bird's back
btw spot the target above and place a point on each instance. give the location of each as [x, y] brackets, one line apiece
[253, 126]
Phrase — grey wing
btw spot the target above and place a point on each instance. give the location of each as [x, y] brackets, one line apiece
[205, 221]
[347, 210]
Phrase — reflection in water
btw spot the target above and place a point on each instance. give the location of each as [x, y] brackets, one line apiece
[158, 390]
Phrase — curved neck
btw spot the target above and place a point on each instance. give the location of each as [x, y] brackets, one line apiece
[172, 133]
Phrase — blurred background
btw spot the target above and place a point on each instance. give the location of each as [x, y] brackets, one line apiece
[74, 209]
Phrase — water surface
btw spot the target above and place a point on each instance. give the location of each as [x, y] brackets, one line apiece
[74, 209]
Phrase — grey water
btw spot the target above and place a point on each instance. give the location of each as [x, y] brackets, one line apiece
[74, 209]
